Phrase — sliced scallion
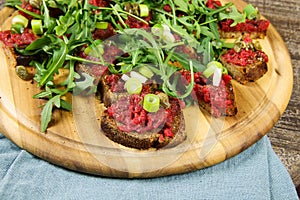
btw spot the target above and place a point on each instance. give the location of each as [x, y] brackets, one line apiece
[144, 10]
[102, 25]
[138, 76]
[217, 77]
[37, 26]
[151, 103]
[133, 86]
[20, 19]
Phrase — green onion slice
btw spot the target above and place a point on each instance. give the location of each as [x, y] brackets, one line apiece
[101, 25]
[37, 27]
[20, 19]
[211, 68]
[133, 86]
[144, 10]
[151, 103]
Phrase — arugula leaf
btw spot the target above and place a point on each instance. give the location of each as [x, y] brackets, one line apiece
[57, 61]
[183, 5]
[233, 14]
[46, 115]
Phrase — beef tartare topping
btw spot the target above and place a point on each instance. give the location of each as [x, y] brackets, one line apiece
[249, 26]
[244, 57]
[132, 117]
[17, 39]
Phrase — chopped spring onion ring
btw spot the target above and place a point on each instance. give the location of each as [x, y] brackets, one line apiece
[138, 76]
[145, 71]
[144, 10]
[37, 26]
[217, 77]
[20, 19]
[216, 69]
[133, 86]
[211, 67]
[151, 103]
[101, 25]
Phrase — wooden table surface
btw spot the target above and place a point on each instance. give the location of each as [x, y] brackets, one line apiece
[285, 16]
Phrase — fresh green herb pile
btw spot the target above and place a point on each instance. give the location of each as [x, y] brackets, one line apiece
[63, 36]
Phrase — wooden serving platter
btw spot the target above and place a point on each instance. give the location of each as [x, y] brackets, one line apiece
[74, 139]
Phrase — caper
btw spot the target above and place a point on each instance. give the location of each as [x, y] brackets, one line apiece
[164, 100]
[135, 9]
[35, 3]
[257, 45]
[22, 72]
[132, 8]
[128, 7]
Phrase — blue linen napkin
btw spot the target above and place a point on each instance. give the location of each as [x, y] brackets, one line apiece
[256, 173]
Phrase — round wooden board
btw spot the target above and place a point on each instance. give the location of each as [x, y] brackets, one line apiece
[75, 141]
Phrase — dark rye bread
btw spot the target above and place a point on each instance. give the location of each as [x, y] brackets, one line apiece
[137, 140]
[143, 140]
[248, 73]
[107, 96]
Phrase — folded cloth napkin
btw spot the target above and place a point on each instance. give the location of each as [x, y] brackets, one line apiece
[256, 173]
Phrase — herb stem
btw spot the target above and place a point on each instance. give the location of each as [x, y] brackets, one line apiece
[29, 13]
[122, 11]
[69, 57]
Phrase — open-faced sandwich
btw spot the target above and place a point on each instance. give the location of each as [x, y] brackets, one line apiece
[147, 60]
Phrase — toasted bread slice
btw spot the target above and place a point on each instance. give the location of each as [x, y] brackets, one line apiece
[150, 139]
[245, 64]
[138, 135]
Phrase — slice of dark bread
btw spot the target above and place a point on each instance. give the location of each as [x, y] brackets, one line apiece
[112, 91]
[246, 64]
[248, 73]
[145, 140]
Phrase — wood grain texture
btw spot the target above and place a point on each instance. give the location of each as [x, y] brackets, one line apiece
[218, 148]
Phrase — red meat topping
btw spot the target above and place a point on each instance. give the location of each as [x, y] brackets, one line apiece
[103, 34]
[26, 5]
[135, 23]
[213, 4]
[11, 39]
[215, 96]
[244, 57]
[111, 52]
[100, 3]
[130, 114]
[115, 83]
[249, 26]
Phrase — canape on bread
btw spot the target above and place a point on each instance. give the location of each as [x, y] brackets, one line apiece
[246, 62]
[139, 115]
[216, 99]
